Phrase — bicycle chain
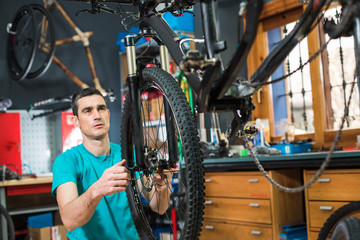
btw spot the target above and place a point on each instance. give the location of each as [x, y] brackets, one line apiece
[325, 163]
[327, 160]
[337, 137]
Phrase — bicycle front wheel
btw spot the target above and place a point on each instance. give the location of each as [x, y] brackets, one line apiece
[347, 229]
[349, 209]
[171, 145]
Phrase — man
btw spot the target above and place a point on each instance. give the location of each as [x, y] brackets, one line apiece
[89, 180]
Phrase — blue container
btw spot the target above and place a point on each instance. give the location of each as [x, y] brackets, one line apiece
[293, 148]
[41, 220]
[183, 23]
[294, 233]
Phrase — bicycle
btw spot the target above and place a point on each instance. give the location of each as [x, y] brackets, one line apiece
[178, 151]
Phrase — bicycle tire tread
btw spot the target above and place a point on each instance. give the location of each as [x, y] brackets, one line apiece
[348, 228]
[187, 127]
[336, 217]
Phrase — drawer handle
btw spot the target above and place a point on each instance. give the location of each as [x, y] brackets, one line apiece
[254, 204]
[323, 180]
[253, 232]
[208, 202]
[207, 180]
[253, 180]
[327, 208]
[209, 227]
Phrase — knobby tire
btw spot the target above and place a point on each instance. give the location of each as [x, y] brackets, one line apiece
[344, 211]
[188, 199]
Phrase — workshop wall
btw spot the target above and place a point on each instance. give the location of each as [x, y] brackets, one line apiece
[54, 83]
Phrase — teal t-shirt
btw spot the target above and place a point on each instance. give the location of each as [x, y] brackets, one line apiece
[112, 217]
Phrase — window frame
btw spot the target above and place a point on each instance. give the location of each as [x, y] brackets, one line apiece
[275, 14]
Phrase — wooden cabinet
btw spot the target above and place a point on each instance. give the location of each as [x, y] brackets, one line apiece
[244, 205]
[331, 191]
[235, 231]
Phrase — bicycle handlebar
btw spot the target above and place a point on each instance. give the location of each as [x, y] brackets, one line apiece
[179, 4]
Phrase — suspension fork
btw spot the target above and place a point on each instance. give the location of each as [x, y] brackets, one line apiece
[134, 91]
[169, 119]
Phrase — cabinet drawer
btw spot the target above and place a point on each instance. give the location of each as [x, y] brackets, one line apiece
[335, 185]
[320, 211]
[248, 210]
[243, 185]
[231, 231]
[313, 235]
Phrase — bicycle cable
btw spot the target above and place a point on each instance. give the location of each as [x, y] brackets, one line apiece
[325, 163]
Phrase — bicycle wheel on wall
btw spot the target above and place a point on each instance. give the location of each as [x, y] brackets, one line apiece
[45, 41]
[349, 209]
[21, 44]
[183, 216]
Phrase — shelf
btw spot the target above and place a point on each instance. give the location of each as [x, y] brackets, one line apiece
[35, 209]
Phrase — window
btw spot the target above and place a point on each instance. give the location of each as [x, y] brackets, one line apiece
[312, 99]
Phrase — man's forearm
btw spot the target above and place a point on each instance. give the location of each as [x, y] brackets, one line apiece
[159, 201]
[79, 211]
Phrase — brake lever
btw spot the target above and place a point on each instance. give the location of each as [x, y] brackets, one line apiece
[96, 7]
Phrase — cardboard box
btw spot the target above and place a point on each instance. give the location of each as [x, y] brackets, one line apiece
[157, 108]
[152, 138]
[48, 233]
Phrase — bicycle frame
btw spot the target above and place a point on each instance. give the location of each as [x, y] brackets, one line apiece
[211, 87]
[216, 81]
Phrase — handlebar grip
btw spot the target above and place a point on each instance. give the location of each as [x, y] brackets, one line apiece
[184, 3]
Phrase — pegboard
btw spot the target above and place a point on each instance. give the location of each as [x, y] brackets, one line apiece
[40, 141]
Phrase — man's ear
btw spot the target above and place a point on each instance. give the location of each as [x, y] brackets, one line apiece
[75, 120]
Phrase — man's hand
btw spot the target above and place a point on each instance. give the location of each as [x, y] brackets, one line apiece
[114, 179]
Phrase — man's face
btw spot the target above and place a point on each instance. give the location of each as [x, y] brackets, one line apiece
[93, 117]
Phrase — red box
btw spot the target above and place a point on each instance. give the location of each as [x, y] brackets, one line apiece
[10, 141]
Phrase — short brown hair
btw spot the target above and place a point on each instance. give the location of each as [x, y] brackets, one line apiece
[83, 93]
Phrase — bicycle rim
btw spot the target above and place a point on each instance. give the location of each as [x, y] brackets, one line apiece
[21, 43]
[344, 211]
[348, 228]
[183, 216]
[45, 42]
